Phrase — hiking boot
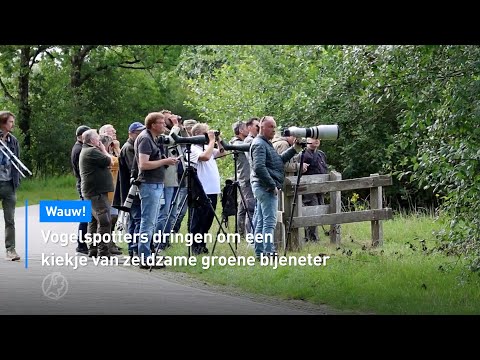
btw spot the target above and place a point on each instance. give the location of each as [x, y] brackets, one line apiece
[114, 250]
[159, 265]
[107, 253]
[12, 255]
[83, 251]
[92, 252]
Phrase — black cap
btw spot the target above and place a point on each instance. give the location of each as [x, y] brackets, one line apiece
[81, 129]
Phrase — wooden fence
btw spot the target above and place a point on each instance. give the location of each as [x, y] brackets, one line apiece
[330, 214]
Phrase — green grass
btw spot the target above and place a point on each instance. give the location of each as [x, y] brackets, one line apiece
[54, 188]
[398, 278]
[405, 276]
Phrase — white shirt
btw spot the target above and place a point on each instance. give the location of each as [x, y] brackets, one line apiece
[207, 171]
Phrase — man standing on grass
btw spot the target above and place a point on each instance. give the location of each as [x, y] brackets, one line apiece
[75, 157]
[9, 180]
[267, 176]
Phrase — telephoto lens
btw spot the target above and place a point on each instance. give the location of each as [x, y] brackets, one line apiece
[322, 132]
[127, 204]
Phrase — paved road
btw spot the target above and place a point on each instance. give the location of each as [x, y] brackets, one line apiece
[101, 289]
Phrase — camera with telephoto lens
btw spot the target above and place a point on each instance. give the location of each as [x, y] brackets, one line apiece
[127, 204]
[235, 147]
[322, 132]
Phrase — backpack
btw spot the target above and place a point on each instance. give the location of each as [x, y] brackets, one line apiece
[198, 197]
[229, 201]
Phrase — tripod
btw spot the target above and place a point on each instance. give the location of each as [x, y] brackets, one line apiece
[196, 198]
[294, 203]
[236, 187]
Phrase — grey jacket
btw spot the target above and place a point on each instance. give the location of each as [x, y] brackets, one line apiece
[267, 165]
[243, 166]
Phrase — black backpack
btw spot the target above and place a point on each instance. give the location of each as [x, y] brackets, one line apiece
[229, 201]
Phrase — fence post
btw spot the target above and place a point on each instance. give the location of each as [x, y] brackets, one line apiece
[335, 208]
[293, 244]
[376, 203]
[280, 228]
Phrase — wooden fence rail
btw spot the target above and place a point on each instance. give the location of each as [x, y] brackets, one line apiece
[330, 214]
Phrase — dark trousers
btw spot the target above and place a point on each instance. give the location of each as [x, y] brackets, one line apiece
[244, 226]
[9, 199]
[101, 220]
[312, 200]
[202, 219]
[134, 225]
[82, 229]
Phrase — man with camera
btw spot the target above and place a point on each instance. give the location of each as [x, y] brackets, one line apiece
[9, 181]
[243, 175]
[179, 211]
[267, 177]
[204, 161]
[317, 161]
[151, 166]
[75, 157]
[164, 222]
[97, 182]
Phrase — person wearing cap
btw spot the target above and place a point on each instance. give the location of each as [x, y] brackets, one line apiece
[125, 160]
[9, 182]
[75, 156]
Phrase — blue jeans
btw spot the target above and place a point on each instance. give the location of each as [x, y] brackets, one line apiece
[168, 193]
[150, 197]
[162, 222]
[134, 225]
[265, 219]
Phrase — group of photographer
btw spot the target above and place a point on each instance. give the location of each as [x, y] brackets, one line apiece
[271, 157]
[104, 170]
[153, 160]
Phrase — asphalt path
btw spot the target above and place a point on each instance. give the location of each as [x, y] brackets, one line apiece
[33, 287]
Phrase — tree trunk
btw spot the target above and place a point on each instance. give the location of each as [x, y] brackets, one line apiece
[24, 110]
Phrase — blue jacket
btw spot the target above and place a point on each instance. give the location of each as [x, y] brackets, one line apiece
[267, 165]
